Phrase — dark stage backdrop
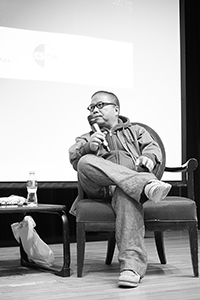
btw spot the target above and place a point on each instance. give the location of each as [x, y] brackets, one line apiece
[192, 38]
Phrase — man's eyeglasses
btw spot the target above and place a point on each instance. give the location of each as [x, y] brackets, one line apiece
[99, 105]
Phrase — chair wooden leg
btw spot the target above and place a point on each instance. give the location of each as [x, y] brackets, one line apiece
[111, 248]
[193, 237]
[160, 246]
[80, 237]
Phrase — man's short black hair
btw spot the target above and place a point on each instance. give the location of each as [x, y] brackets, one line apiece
[111, 95]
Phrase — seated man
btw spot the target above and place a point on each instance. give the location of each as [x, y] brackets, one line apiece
[118, 161]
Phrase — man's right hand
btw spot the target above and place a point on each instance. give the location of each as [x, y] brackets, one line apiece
[96, 140]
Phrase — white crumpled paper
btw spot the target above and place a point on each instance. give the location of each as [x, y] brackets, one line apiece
[12, 200]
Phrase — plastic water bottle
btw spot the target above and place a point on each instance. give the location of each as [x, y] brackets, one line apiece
[31, 186]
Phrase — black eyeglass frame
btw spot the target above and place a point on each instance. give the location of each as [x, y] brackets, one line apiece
[99, 105]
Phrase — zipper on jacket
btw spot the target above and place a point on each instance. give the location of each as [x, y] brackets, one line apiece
[112, 139]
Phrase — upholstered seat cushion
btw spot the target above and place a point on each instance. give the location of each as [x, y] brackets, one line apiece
[94, 210]
[171, 208]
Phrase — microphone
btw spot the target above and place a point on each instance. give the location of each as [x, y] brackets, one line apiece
[95, 128]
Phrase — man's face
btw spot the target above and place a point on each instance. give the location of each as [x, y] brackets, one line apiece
[107, 116]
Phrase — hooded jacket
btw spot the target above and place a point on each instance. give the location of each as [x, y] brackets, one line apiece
[126, 141]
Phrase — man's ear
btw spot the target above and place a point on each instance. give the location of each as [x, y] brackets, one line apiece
[117, 110]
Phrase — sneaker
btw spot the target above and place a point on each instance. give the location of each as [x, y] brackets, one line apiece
[129, 278]
[157, 190]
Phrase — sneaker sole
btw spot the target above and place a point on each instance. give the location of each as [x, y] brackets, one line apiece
[127, 284]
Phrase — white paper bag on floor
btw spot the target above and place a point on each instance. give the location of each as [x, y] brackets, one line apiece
[36, 250]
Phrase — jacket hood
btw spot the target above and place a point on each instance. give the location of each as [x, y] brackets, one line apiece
[124, 122]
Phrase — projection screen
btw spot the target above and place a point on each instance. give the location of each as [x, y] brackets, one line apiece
[55, 54]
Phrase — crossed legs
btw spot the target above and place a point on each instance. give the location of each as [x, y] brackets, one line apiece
[96, 175]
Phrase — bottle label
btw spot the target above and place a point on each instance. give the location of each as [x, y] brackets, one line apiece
[31, 184]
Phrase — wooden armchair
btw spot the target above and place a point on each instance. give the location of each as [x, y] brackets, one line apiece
[173, 213]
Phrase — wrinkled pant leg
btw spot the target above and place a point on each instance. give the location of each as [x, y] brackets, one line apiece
[130, 233]
[95, 173]
[93, 180]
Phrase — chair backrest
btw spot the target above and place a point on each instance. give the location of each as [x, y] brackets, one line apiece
[161, 167]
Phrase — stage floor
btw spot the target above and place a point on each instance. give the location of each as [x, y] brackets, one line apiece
[172, 281]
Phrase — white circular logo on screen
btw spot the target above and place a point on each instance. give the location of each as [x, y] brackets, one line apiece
[44, 56]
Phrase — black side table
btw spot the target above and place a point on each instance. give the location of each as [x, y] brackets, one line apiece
[50, 209]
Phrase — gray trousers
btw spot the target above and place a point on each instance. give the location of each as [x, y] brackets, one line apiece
[96, 175]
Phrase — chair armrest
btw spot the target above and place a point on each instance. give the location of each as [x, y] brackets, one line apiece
[189, 166]
[188, 178]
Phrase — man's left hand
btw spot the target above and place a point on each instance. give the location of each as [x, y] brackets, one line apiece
[145, 162]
